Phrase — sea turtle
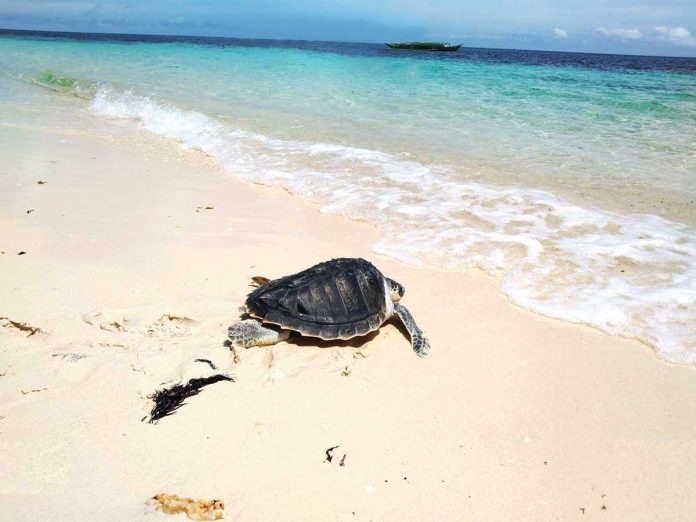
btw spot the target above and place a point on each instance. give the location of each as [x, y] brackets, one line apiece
[337, 299]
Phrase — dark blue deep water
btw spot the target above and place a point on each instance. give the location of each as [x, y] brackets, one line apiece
[503, 56]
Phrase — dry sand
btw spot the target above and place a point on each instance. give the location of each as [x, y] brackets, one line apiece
[512, 416]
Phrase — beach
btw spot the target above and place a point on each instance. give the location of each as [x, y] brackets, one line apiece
[136, 256]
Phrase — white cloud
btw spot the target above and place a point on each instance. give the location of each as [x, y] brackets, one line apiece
[675, 35]
[560, 33]
[626, 34]
[678, 36]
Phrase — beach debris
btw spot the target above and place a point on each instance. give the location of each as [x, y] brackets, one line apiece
[359, 355]
[21, 253]
[113, 326]
[207, 361]
[346, 371]
[70, 357]
[259, 281]
[111, 345]
[41, 182]
[198, 209]
[329, 456]
[168, 400]
[6, 322]
[35, 390]
[30, 211]
[343, 460]
[194, 509]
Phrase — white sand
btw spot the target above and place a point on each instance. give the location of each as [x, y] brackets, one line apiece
[511, 417]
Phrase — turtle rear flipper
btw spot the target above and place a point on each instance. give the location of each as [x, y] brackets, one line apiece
[419, 342]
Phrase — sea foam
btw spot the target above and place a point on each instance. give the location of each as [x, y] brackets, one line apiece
[627, 275]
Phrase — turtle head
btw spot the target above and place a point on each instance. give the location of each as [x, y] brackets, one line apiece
[397, 290]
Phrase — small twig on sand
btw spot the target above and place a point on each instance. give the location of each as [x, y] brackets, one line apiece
[207, 361]
[329, 456]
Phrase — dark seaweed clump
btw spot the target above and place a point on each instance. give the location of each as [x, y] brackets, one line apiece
[168, 400]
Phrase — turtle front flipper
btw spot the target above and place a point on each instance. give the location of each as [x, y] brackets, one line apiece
[419, 342]
[249, 332]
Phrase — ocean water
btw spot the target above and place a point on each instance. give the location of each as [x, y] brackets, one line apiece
[570, 177]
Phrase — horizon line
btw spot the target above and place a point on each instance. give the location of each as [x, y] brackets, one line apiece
[65, 34]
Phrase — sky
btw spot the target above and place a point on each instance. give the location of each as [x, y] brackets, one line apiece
[654, 27]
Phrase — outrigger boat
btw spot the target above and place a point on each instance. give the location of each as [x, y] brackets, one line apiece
[424, 46]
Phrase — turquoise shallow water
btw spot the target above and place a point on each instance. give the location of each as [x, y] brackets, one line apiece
[572, 178]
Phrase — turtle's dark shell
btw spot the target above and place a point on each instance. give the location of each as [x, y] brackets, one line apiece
[337, 299]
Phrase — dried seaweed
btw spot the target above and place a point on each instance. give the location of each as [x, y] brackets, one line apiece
[22, 327]
[168, 400]
[35, 390]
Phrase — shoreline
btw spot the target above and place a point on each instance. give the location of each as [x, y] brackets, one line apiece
[623, 274]
[576, 423]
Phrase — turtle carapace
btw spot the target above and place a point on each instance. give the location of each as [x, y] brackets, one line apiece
[337, 299]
